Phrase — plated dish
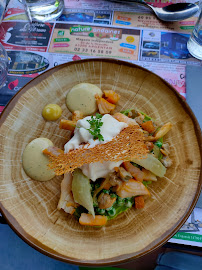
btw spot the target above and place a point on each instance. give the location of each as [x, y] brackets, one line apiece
[31, 206]
[109, 161]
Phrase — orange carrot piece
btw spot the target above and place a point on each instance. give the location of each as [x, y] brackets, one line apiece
[148, 126]
[111, 96]
[67, 124]
[103, 105]
[53, 150]
[89, 220]
[139, 202]
[134, 171]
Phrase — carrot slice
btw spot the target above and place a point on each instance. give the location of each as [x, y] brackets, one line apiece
[87, 219]
[103, 105]
[111, 96]
[139, 202]
[67, 124]
[148, 126]
[134, 171]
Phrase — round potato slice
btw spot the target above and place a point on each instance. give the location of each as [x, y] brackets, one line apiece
[82, 98]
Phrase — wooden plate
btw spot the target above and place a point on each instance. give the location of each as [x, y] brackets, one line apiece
[30, 206]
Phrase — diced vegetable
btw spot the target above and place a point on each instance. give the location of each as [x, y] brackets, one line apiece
[103, 105]
[146, 183]
[89, 220]
[159, 142]
[77, 115]
[132, 188]
[111, 96]
[148, 126]
[139, 202]
[162, 131]
[146, 117]
[134, 171]
[126, 112]
[81, 190]
[152, 164]
[67, 124]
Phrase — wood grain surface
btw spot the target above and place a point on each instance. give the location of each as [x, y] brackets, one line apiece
[31, 207]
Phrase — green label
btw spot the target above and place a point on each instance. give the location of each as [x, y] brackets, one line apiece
[61, 33]
[79, 28]
[61, 39]
[187, 27]
[188, 236]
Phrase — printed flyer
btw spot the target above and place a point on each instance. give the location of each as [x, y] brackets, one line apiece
[95, 41]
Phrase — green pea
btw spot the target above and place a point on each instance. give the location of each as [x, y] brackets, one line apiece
[129, 204]
[100, 211]
[112, 212]
[120, 201]
[158, 143]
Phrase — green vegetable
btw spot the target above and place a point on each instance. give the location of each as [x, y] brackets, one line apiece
[105, 191]
[112, 212]
[152, 164]
[146, 117]
[120, 201]
[113, 195]
[81, 190]
[146, 183]
[136, 165]
[95, 125]
[126, 112]
[100, 211]
[158, 143]
[97, 186]
[128, 204]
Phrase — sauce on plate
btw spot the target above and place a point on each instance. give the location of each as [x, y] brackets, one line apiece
[34, 162]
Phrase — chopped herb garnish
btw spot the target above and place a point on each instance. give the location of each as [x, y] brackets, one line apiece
[95, 125]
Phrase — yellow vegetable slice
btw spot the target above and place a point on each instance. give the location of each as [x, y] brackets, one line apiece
[81, 190]
[152, 164]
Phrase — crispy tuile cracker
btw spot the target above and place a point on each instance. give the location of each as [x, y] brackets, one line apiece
[128, 144]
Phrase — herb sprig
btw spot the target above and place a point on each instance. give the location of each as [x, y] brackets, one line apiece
[95, 125]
